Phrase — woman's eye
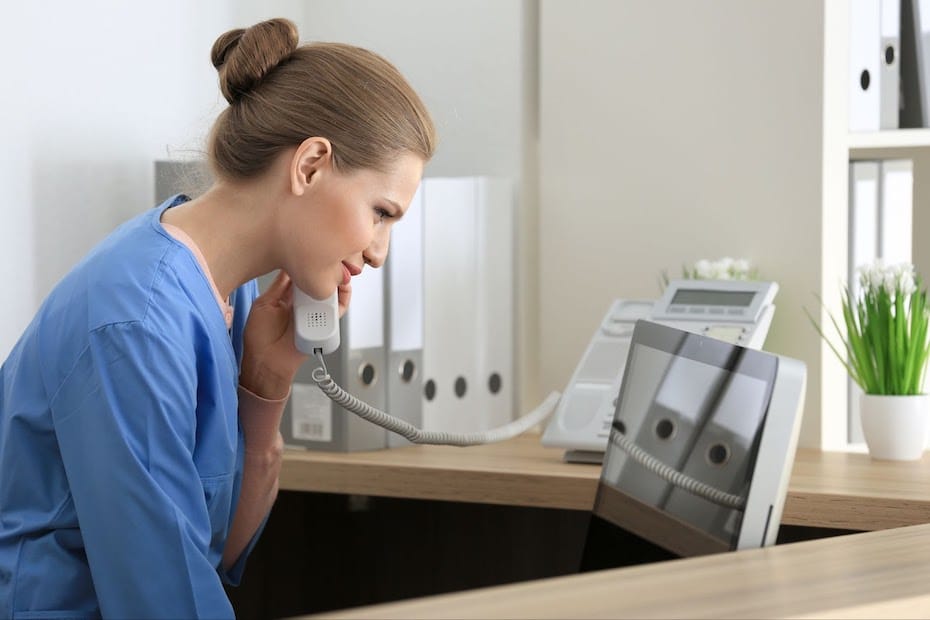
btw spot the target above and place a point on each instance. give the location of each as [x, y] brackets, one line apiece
[383, 214]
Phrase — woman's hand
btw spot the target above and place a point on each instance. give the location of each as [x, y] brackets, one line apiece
[270, 359]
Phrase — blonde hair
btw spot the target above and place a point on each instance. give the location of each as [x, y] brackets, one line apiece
[280, 93]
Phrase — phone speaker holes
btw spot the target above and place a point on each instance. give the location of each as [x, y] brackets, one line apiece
[317, 319]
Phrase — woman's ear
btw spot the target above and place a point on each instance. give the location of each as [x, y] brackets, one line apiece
[311, 157]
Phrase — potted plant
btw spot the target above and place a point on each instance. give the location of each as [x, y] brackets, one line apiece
[885, 351]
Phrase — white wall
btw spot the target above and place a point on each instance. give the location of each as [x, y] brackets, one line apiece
[94, 92]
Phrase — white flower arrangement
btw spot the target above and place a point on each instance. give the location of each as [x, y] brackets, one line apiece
[725, 268]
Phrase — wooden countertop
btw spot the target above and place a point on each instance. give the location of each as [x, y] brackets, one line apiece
[866, 575]
[827, 489]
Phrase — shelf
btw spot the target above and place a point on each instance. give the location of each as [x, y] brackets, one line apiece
[887, 144]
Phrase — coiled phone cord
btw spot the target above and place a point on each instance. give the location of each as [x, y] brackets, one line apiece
[345, 400]
[670, 474]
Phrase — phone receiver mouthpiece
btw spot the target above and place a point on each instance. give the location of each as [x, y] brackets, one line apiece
[316, 323]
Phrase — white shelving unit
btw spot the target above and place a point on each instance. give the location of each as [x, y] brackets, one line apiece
[888, 144]
[840, 147]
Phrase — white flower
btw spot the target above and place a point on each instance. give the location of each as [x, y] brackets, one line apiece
[897, 279]
[905, 278]
[741, 267]
[725, 268]
[703, 270]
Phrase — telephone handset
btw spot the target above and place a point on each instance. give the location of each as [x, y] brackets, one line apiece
[316, 333]
[316, 323]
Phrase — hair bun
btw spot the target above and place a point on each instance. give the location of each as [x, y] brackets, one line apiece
[243, 57]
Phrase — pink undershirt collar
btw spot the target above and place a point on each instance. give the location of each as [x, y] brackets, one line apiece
[184, 238]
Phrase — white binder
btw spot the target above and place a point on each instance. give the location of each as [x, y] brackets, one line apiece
[864, 65]
[450, 290]
[896, 210]
[890, 63]
[864, 182]
[313, 421]
[404, 321]
[863, 216]
[495, 301]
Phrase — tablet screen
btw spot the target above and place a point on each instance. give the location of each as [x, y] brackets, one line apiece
[698, 406]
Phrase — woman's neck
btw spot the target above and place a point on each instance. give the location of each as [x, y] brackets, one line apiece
[233, 225]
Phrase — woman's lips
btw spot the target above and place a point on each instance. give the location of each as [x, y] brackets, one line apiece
[346, 275]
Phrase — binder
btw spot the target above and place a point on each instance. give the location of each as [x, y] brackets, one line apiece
[313, 421]
[896, 210]
[864, 65]
[404, 321]
[915, 64]
[890, 64]
[864, 194]
[191, 177]
[863, 217]
[495, 301]
[449, 293]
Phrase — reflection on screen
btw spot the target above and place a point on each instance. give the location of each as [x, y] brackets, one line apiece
[702, 419]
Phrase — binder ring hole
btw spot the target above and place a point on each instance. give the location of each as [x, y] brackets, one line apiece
[366, 373]
[494, 383]
[665, 429]
[889, 55]
[620, 426]
[718, 454]
[407, 371]
[865, 79]
[460, 387]
[429, 390]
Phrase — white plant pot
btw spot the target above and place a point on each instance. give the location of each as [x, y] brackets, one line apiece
[895, 427]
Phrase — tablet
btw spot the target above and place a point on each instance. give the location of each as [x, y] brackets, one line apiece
[700, 450]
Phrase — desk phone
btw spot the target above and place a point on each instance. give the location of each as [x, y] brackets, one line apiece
[735, 311]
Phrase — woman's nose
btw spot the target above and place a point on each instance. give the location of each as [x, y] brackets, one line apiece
[377, 251]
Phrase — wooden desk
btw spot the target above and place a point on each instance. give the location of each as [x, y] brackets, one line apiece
[869, 575]
[827, 489]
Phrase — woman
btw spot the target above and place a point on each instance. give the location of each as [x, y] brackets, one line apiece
[139, 411]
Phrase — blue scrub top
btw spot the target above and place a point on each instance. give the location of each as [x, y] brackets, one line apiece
[120, 447]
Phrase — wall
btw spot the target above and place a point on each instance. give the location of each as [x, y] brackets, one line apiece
[671, 132]
[97, 90]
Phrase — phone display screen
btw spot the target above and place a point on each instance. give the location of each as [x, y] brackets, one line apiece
[698, 405]
[703, 297]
